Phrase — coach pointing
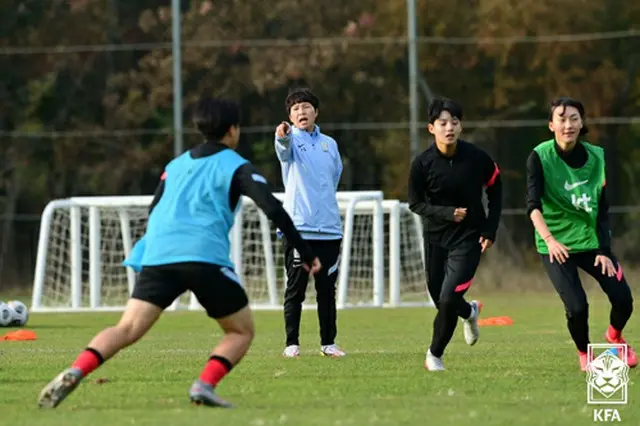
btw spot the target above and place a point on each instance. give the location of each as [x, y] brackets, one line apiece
[311, 169]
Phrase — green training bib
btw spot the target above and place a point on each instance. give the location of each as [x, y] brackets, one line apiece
[571, 198]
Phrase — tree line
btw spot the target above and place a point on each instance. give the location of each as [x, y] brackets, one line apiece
[87, 120]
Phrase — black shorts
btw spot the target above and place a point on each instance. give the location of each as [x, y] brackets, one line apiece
[216, 287]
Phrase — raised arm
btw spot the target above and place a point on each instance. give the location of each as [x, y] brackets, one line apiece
[283, 142]
[247, 181]
[418, 201]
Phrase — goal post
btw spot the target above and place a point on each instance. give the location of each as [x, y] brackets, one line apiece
[84, 240]
[377, 245]
[82, 243]
[356, 207]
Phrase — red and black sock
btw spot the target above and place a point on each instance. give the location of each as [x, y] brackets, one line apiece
[216, 368]
[88, 360]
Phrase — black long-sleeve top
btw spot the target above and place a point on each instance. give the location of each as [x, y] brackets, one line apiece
[244, 182]
[575, 158]
[439, 184]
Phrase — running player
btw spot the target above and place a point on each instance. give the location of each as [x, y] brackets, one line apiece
[567, 203]
[186, 247]
[446, 186]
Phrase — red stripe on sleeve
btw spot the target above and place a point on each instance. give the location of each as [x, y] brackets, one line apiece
[496, 172]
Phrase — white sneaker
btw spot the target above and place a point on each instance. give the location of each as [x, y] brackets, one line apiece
[471, 329]
[332, 351]
[433, 363]
[291, 351]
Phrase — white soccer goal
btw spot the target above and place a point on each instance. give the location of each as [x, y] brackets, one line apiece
[83, 241]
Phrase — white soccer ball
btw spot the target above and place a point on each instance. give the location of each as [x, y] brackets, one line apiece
[20, 313]
[6, 314]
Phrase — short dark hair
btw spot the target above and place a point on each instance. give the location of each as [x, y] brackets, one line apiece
[214, 117]
[564, 102]
[299, 95]
[438, 105]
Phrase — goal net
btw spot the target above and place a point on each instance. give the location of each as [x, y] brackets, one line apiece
[84, 240]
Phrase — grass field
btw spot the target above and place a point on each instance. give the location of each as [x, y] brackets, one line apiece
[524, 374]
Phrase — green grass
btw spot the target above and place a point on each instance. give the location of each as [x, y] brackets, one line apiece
[525, 374]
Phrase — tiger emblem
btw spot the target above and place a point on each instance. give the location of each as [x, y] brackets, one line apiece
[608, 374]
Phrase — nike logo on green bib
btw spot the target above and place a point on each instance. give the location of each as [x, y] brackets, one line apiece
[571, 186]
